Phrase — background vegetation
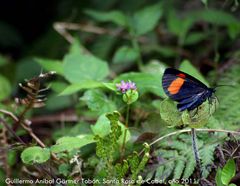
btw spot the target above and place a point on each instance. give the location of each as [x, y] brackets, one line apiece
[84, 129]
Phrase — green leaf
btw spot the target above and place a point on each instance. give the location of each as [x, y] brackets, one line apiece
[164, 171]
[187, 67]
[146, 19]
[169, 113]
[114, 16]
[145, 82]
[216, 17]
[108, 41]
[207, 157]
[228, 110]
[106, 147]
[180, 164]
[79, 67]
[194, 38]
[54, 102]
[12, 157]
[121, 169]
[58, 86]
[179, 27]
[75, 87]
[77, 47]
[165, 51]
[64, 169]
[201, 118]
[128, 134]
[130, 96]
[125, 54]
[154, 67]
[88, 84]
[71, 143]
[190, 166]
[97, 101]
[23, 65]
[5, 88]
[33, 155]
[2, 178]
[110, 86]
[50, 65]
[102, 126]
[234, 30]
[228, 171]
[3, 60]
[77, 129]
[218, 178]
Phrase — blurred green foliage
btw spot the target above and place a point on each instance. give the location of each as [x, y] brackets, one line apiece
[124, 40]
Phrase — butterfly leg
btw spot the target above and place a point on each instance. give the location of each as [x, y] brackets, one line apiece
[213, 100]
[195, 111]
[210, 103]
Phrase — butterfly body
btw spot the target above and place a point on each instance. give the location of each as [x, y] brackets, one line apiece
[183, 88]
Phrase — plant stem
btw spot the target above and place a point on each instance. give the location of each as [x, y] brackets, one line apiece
[26, 127]
[11, 131]
[189, 130]
[125, 132]
[196, 153]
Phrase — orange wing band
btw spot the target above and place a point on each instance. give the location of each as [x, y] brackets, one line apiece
[175, 86]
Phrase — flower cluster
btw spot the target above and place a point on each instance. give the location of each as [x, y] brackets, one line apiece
[129, 91]
[125, 86]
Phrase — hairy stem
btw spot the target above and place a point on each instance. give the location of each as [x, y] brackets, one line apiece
[125, 132]
[196, 153]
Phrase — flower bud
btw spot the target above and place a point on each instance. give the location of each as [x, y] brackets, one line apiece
[129, 91]
[130, 96]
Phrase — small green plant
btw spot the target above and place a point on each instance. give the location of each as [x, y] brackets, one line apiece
[107, 103]
[224, 175]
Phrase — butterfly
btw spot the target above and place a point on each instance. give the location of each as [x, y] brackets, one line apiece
[183, 88]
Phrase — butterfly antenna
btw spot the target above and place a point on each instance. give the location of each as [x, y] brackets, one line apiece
[224, 86]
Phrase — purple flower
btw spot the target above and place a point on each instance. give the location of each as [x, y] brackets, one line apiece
[125, 86]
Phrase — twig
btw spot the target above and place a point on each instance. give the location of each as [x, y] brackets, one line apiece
[64, 116]
[11, 131]
[63, 27]
[221, 155]
[189, 130]
[10, 114]
[24, 124]
[235, 150]
[30, 131]
[3, 155]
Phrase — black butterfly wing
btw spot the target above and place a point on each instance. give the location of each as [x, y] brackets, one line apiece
[183, 88]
